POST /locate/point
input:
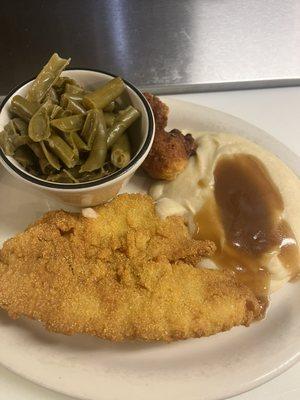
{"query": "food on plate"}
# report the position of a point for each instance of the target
(244, 199)
(122, 122)
(62, 132)
(46, 78)
(120, 152)
(121, 274)
(160, 110)
(103, 96)
(170, 151)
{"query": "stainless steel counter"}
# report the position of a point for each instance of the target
(166, 46)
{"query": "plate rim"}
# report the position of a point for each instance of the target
(276, 371)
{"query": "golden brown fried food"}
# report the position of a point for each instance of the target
(169, 154)
(170, 150)
(160, 111)
(125, 275)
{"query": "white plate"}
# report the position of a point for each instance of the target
(208, 368)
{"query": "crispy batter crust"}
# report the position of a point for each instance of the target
(160, 110)
(170, 150)
(125, 275)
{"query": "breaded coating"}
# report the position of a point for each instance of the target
(170, 150)
(160, 110)
(169, 154)
(125, 275)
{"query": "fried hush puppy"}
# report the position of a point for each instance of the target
(124, 275)
(170, 151)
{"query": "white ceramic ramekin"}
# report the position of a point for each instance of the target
(101, 190)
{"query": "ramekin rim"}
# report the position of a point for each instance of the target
(96, 183)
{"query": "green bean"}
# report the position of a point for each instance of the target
(60, 177)
(74, 90)
(75, 107)
(110, 108)
(103, 96)
(6, 143)
(53, 96)
(68, 137)
(37, 149)
(56, 111)
(120, 152)
(108, 168)
(90, 127)
(59, 131)
(62, 113)
(19, 140)
(45, 166)
(21, 126)
(71, 177)
(91, 176)
(67, 97)
(105, 170)
(62, 81)
(119, 105)
(23, 108)
(14, 140)
(38, 152)
(68, 124)
(123, 121)
(10, 129)
(25, 157)
(48, 106)
(65, 176)
(51, 158)
(10, 143)
(97, 155)
(61, 84)
(109, 119)
(64, 100)
(39, 128)
(76, 139)
(46, 78)
(74, 172)
(62, 150)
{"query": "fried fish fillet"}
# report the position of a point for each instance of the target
(126, 274)
(170, 151)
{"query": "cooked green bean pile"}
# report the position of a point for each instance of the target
(62, 132)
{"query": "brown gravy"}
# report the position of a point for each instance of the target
(244, 219)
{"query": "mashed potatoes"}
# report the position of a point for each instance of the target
(188, 193)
